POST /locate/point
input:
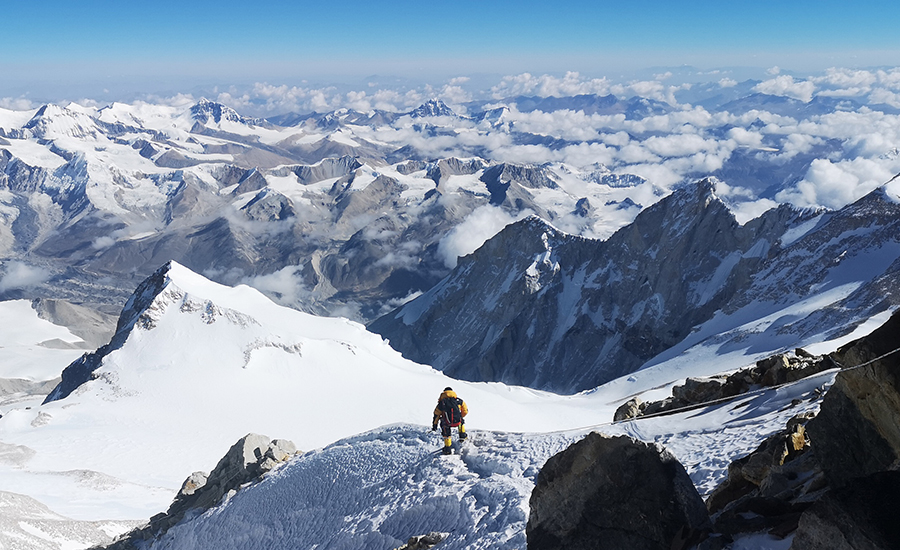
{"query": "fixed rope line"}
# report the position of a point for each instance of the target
(745, 394)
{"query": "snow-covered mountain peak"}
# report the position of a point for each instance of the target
(172, 285)
(204, 110)
(702, 192)
(432, 107)
(53, 121)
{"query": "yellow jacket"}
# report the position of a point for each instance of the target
(438, 413)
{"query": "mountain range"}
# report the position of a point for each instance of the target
(177, 277)
(537, 307)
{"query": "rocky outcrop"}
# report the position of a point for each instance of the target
(424, 542)
(81, 370)
(862, 515)
(831, 480)
(770, 488)
(771, 371)
(857, 432)
(534, 306)
(614, 492)
(246, 461)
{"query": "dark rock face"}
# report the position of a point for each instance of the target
(835, 483)
(613, 492)
(81, 370)
(770, 488)
(862, 515)
(857, 432)
(536, 307)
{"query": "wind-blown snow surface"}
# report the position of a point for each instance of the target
(218, 363)
(208, 364)
(377, 489)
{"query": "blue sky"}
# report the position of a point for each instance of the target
(52, 45)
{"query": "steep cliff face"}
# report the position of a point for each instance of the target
(857, 433)
(537, 307)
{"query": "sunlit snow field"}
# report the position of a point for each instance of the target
(221, 362)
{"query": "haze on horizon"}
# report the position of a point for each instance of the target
(62, 50)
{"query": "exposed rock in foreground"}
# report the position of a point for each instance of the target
(424, 542)
(860, 515)
(857, 433)
(247, 460)
(771, 371)
(832, 480)
(614, 492)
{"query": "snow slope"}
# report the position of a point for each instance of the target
(213, 363)
(205, 364)
(375, 490)
(30, 347)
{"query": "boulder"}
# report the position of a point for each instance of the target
(771, 371)
(246, 460)
(193, 483)
(612, 493)
(424, 542)
(861, 515)
(857, 431)
(629, 409)
(699, 390)
(279, 450)
(746, 475)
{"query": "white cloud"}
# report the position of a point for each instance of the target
(786, 86)
(748, 210)
(546, 85)
(454, 96)
(650, 89)
(882, 95)
(565, 124)
(678, 145)
(835, 185)
(483, 223)
(19, 276)
(16, 103)
(728, 82)
(745, 138)
(586, 154)
(286, 285)
(774, 70)
(102, 242)
(796, 144)
(846, 78)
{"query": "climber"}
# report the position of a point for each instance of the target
(450, 412)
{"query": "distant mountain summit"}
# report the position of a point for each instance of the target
(432, 107)
(205, 110)
(536, 307)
